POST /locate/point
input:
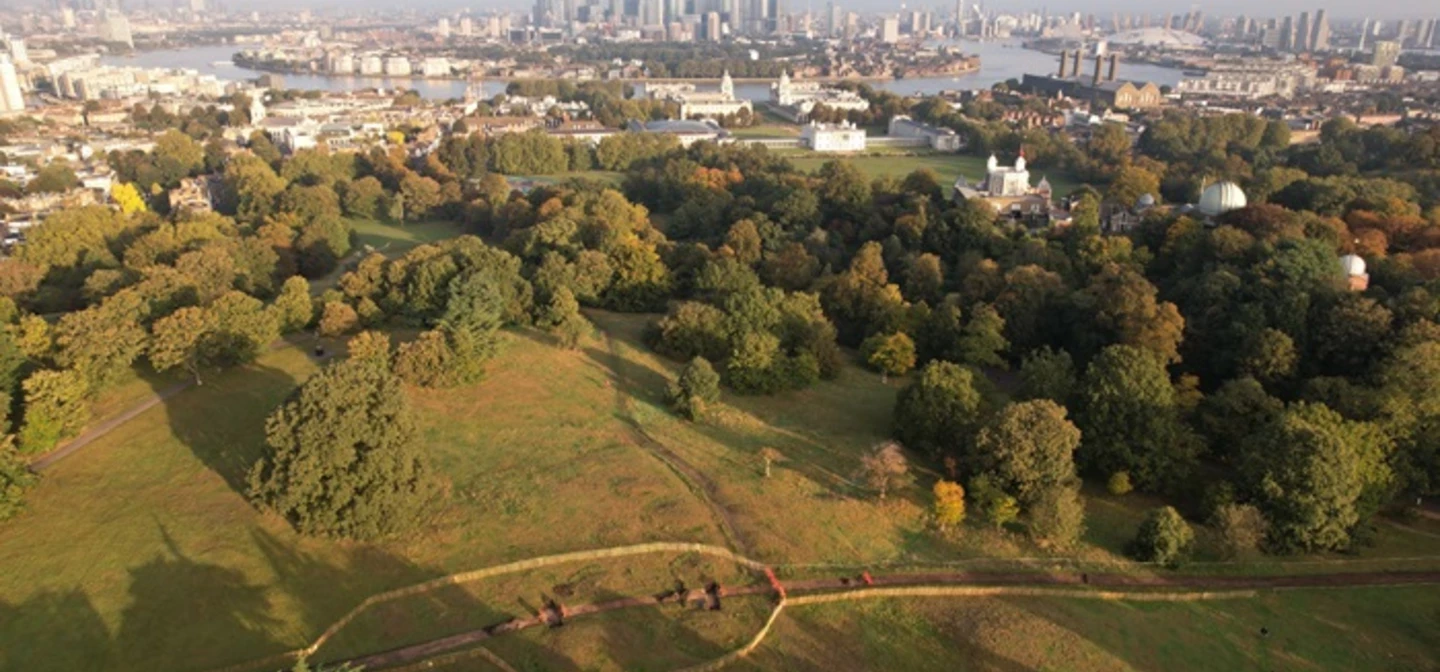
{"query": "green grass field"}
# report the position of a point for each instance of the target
(394, 238)
(141, 553)
(947, 166)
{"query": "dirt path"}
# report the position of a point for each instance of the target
(703, 486)
(445, 645)
(48, 459)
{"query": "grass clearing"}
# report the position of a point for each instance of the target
(1311, 629)
(396, 238)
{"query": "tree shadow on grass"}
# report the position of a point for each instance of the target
(223, 421)
(53, 630)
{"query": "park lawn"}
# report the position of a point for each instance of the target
(396, 238)
(947, 166)
(141, 549)
(1310, 629)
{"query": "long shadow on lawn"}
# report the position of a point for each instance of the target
(62, 630)
(223, 421)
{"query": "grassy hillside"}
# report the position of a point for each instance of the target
(141, 552)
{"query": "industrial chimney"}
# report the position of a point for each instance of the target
(1064, 56)
(1114, 63)
(1099, 60)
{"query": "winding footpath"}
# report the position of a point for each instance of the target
(956, 584)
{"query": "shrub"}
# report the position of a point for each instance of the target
(1164, 537)
(1119, 483)
(697, 388)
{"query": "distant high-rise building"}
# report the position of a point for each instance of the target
(1287, 35)
(712, 26)
(442, 28)
(467, 26)
(1365, 27)
(1386, 53)
(1302, 33)
(1427, 34)
(115, 28)
(12, 99)
(890, 30)
(1320, 32)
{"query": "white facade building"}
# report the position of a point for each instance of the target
(940, 139)
(1003, 181)
(695, 104)
(799, 99)
(397, 66)
(12, 98)
(841, 137)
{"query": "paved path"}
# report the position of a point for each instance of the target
(443, 645)
(49, 459)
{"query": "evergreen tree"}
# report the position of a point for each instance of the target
(341, 458)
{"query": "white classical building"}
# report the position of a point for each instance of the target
(1008, 190)
(940, 139)
(841, 137)
(798, 99)
(695, 104)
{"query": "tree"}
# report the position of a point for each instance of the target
(1057, 518)
(1239, 528)
(337, 318)
(1119, 484)
(1047, 374)
(427, 361)
(1028, 448)
(770, 456)
(1130, 183)
(55, 409)
(1316, 476)
(243, 329)
(1163, 537)
(101, 342)
(697, 389)
(1126, 311)
(364, 198)
(421, 195)
(1129, 416)
(15, 479)
(294, 310)
(128, 198)
(1269, 356)
(994, 505)
(949, 508)
(341, 458)
(743, 241)
(982, 341)
(892, 354)
(1238, 410)
(562, 318)
(55, 178)
(176, 340)
(884, 468)
(940, 411)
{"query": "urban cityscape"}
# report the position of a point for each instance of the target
(704, 335)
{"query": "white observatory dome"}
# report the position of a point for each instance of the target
(1220, 198)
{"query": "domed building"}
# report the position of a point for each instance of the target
(1355, 276)
(1220, 198)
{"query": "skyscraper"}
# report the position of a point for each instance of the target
(12, 99)
(1287, 35)
(1320, 32)
(1302, 33)
(1386, 53)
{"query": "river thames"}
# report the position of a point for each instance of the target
(999, 61)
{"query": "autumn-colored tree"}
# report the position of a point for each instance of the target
(884, 469)
(293, 308)
(949, 508)
(890, 354)
(996, 507)
(337, 318)
(769, 456)
(128, 198)
(1057, 517)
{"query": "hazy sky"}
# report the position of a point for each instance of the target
(1341, 9)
